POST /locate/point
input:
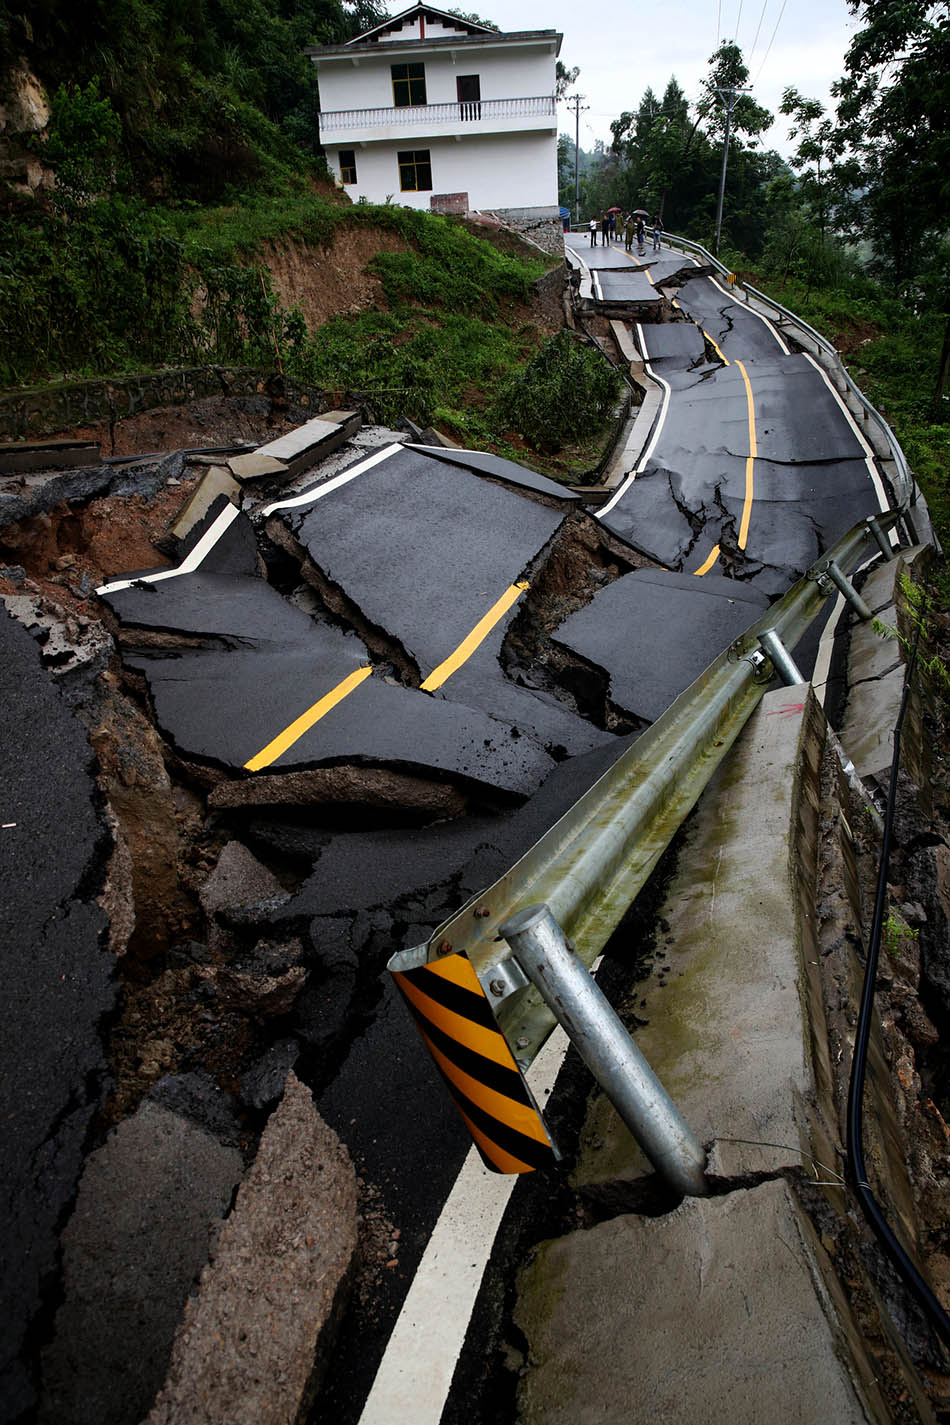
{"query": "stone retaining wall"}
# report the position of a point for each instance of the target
(45, 410)
(542, 225)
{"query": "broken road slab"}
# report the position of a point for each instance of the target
(269, 696)
(621, 631)
(681, 344)
(299, 450)
(411, 525)
(253, 1345)
(629, 285)
(732, 325)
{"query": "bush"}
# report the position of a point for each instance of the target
(566, 392)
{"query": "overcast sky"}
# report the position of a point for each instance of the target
(625, 46)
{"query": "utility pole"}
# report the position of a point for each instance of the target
(728, 97)
(575, 99)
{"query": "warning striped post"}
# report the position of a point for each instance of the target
(455, 1019)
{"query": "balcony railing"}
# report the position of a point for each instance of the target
(470, 111)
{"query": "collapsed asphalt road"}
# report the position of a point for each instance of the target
(343, 710)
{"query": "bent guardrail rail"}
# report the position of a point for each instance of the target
(589, 867)
(905, 486)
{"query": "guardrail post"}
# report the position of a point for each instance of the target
(782, 661)
(910, 528)
(880, 539)
(570, 991)
(844, 586)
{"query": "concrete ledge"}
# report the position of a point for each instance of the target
(725, 1030)
(678, 1318)
(299, 450)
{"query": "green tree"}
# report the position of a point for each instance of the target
(563, 79)
(894, 123)
(729, 75)
(814, 157)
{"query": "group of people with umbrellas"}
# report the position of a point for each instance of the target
(634, 227)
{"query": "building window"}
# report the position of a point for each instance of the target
(415, 170)
(409, 85)
(347, 165)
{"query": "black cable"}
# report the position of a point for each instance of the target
(856, 1168)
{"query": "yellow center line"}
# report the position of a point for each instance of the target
(302, 724)
(436, 678)
(750, 461)
(640, 264)
(716, 348)
(477, 636)
(710, 560)
(708, 563)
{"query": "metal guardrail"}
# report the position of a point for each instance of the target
(590, 865)
(905, 485)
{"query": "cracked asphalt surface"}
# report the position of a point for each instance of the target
(413, 617)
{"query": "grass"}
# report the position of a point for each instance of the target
(117, 286)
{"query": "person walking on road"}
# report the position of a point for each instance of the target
(593, 232)
(628, 232)
(641, 236)
(613, 226)
(605, 230)
(657, 233)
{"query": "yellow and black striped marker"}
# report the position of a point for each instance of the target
(455, 1019)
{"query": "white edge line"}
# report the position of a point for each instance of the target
(744, 306)
(190, 563)
(865, 445)
(641, 465)
(309, 496)
(415, 1374)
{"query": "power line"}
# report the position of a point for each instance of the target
(718, 22)
(738, 21)
(772, 40)
(765, 6)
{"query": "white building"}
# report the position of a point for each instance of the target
(437, 112)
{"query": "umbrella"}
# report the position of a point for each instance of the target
(640, 213)
(614, 210)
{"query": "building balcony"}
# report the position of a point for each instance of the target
(476, 116)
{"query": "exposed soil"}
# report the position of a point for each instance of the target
(331, 282)
(213, 421)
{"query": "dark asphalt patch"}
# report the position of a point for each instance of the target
(631, 285)
(680, 344)
(654, 632)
